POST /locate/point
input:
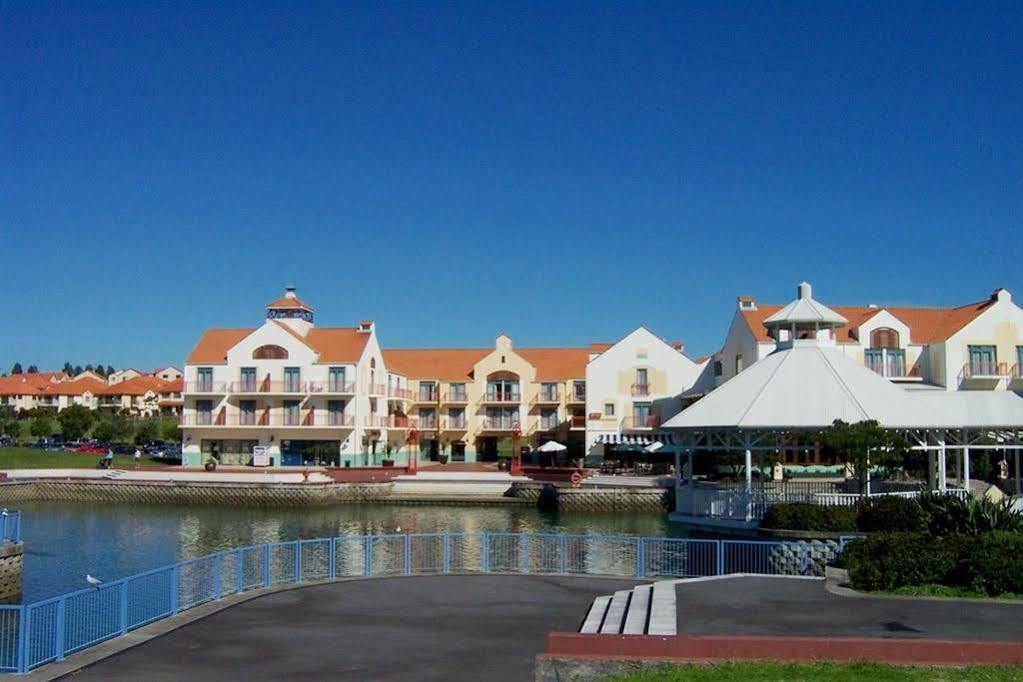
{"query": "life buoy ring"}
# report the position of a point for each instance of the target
(576, 478)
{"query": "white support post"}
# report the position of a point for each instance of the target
(931, 465)
(867, 487)
(942, 463)
(1019, 484)
(749, 483)
(966, 469)
(959, 468)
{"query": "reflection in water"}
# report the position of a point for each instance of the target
(64, 541)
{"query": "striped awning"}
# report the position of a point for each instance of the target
(639, 439)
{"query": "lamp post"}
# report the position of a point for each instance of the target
(516, 459)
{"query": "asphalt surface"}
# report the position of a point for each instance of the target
(424, 628)
(804, 608)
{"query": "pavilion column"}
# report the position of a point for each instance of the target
(942, 463)
(1019, 484)
(959, 468)
(931, 466)
(749, 471)
(966, 469)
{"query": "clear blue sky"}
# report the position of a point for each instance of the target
(559, 171)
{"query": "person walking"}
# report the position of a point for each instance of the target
(108, 459)
(136, 459)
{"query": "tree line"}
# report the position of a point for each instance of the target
(68, 368)
(77, 422)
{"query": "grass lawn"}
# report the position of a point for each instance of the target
(30, 458)
(946, 591)
(790, 672)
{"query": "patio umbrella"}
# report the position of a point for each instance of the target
(658, 446)
(552, 446)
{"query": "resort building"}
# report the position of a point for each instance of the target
(169, 374)
(20, 392)
(633, 386)
(978, 346)
(141, 396)
(287, 390)
(295, 394)
(123, 375)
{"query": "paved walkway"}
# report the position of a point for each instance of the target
(804, 608)
(426, 628)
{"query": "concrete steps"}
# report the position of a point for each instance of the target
(643, 610)
(456, 483)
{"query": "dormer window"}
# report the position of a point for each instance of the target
(270, 352)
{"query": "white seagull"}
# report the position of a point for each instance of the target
(398, 529)
(95, 582)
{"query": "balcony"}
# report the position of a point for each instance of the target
(425, 423)
(640, 389)
(330, 386)
(208, 387)
(983, 370)
(266, 386)
(641, 421)
(325, 419)
(577, 397)
(426, 396)
(1016, 373)
(547, 398)
(318, 419)
(499, 423)
(578, 421)
(895, 369)
(456, 424)
(397, 393)
(377, 389)
(456, 397)
(501, 398)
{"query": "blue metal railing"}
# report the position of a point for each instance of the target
(10, 526)
(34, 634)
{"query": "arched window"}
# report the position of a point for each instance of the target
(270, 353)
(884, 338)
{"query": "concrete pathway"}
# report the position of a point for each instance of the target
(795, 607)
(425, 628)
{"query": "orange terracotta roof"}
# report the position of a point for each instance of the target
(289, 303)
(599, 347)
(444, 364)
(77, 387)
(176, 386)
(926, 325)
(337, 344)
(139, 385)
(29, 384)
(214, 344)
(557, 364)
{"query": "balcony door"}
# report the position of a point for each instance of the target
(983, 360)
(641, 414)
(292, 379)
(336, 380)
(248, 379)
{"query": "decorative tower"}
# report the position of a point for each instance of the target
(292, 311)
(804, 321)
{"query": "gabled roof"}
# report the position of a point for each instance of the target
(214, 344)
(77, 387)
(139, 385)
(443, 364)
(557, 364)
(805, 310)
(926, 325)
(456, 364)
(337, 344)
(29, 384)
(289, 303)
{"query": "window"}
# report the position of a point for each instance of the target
(270, 352)
(549, 392)
(291, 413)
(457, 392)
(427, 392)
(884, 338)
(456, 418)
(247, 409)
(503, 390)
(1019, 363)
(248, 379)
(983, 360)
(502, 417)
(205, 376)
(609, 409)
(642, 415)
(203, 412)
(579, 390)
(888, 362)
(641, 387)
(427, 418)
(292, 379)
(336, 379)
(549, 418)
(738, 363)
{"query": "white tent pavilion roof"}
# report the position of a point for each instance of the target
(805, 310)
(552, 446)
(976, 409)
(809, 386)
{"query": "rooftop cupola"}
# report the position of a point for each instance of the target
(804, 321)
(289, 309)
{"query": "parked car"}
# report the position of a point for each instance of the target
(123, 449)
(6, 442)
(171, 453)
(153, 446)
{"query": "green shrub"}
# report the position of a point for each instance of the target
(887, 561)
(992, 563)
(952, 515)
(810, 517)
(890, 514)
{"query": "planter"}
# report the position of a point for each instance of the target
(387, 462)
(210, 465)
(443, 459)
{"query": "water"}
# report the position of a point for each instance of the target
(64, 541)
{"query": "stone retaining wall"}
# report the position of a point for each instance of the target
(654, 500)
(11, 570)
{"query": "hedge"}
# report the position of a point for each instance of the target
(811, 517)
(990, 562)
